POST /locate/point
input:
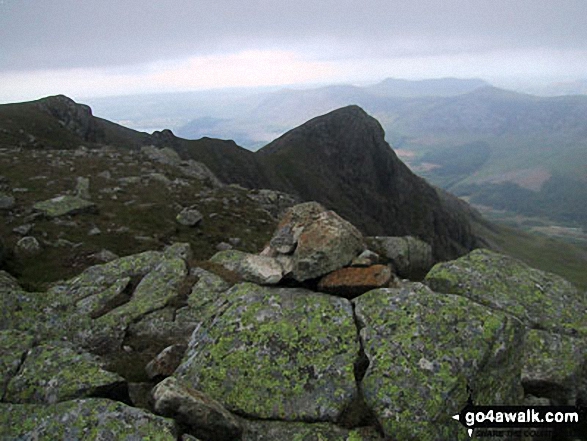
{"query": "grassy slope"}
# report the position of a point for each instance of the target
(555, 256)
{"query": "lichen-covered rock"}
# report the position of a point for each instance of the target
(424, 350)
(541, 300)
(554, 366)
(92, 419)
(57, 372)
(205, 417)
(320, 240)
(351, 282)
(276, 353)
(13, 348)
(410, 257)
(62, 205)
(276, 430)
(251, 267)
(100, 303)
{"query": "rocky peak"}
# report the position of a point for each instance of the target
(75, 117)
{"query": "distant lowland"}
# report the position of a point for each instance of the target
(519, 158)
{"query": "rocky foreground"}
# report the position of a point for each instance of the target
(321, 336)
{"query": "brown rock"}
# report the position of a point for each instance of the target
(166, 362)
(354, 281)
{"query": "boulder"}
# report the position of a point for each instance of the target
(189, 217)
(541, 300)
(320, 240)
(276, 353)
(63, 205)
(57, 372)
(351, 282)
(205, 417)
(91, 419)
(411, 257)
(251, 267)
(425, 350)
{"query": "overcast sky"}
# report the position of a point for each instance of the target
(88, 48)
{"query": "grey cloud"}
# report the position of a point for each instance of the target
(39, 34)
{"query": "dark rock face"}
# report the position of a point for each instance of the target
(343, 161)
(77, 118)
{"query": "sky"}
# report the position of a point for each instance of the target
(85, 48)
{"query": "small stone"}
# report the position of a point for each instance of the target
(223, 246)
(27, 246)
(94, 231)
(354, 281)
(82, 188)
(189, 217)
(366, 258)
(23, 230)
(234, 241)
(104, 256)
(6, 201)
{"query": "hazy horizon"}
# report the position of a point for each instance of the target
(112, 48)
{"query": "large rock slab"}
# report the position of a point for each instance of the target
(83, 420)
(263, 270)
(276, 430)
(276, 353)
(555, 367)
(425, 350)
(410, 257)
(14, 346)
(63, 205)
(57, 372)
(320, 240)
(541, 300)
(205, 417)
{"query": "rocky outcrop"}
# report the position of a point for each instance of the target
(74, 117)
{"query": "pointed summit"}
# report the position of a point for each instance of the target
(342, 160)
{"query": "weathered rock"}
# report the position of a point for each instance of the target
(82, 188)
(322, 240)
(178, 250)
(92, 419)
(164, 156)
(276, 353)
(165, 363)
(251, 267)
(62, 205)
(14, 346)
(275, 430)
(425, 349)
(541, 300)
(189, 217)
(27, 246)
(411, 257)
(23, 230)
(140, 395)
(56, 372)
(96, 305)
(6, 201)
(366, 258)
(351, 282)
(223, 246)
(554, 367)
(205, 417)
(104, 256)
(274, 202)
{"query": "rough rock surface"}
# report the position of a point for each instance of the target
(274, 430)
(57, 372)
(351, 282)
(165, 363)
(205, 417)
(256, 360)
(410, 257)
(541, 300)
(251, 267)
(320, 240)
(86, 419)
(425, 349)
(27, 246)
(189, 217)
(62, 205)
(14, 346)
